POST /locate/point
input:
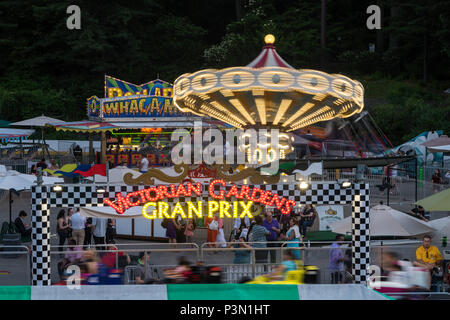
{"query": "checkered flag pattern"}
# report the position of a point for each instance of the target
(40, 240)
(43, 198)
(360, 233)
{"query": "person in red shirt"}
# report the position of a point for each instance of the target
(110, 258)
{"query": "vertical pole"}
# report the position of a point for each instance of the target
(253, 263)
(91, 148)
(415, 169)
(103, 147)
(360, 232)
(40, 240)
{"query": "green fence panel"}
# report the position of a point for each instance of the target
(232, 292)
(15, 292)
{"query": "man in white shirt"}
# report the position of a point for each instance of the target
(143, 165)
(78, 224)
(99, 231)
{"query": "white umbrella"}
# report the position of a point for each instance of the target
(385, 221)
(15, 181)
(443, 148)
(40, 121)
(442, 227)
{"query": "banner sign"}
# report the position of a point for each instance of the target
(93, 107)
(118, 88)
(329, 215)
(139, 107)
(125, 100)
(221, 200)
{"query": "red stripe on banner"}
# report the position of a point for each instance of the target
(99, 169)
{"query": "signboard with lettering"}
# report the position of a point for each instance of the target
(117, 88)
(124, 100)
(328, 215)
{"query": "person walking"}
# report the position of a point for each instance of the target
(110, 231)
(88, 232)
(273, 227)
(78, 225)
(171, 232)
(213, 230)
(337, 261)
(62, 228)
(436, 179)
(99, 232)
(180, 228)
(259, 235)
(189, 231)
(293, 238)
(307, 216)
(69, 222)
(143, 165)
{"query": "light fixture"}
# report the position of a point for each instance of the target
(57, 188)
(303, 185)
(101, 190)
(346, 184)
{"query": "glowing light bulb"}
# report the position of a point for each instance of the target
(269, 39)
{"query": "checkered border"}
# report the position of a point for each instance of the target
(43, 198)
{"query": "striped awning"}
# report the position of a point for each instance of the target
(85, 126)
(14, 135)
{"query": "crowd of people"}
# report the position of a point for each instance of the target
(262, 231)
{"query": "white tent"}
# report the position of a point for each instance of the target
(40, 121)
(108, 212)
(19, 181)
(385, 221)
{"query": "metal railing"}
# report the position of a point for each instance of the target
(13, 269)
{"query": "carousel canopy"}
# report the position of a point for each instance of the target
(268, 93)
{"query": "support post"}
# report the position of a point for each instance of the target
(360, 233)
(40, 241)
(103, 157)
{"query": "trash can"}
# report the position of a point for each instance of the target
(11, 242)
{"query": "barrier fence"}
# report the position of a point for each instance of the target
(15, 263)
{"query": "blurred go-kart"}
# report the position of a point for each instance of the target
(303, 275)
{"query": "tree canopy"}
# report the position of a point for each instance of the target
(49, 69)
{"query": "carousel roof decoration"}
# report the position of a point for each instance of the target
(268, 93)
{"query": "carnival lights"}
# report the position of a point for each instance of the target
(216, 190)
(268, 93)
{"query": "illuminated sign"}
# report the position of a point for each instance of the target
(236, 209)
(221, 202)
(118, 88)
